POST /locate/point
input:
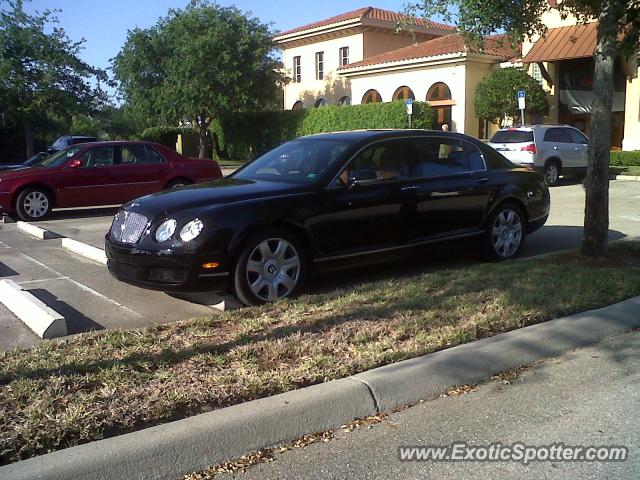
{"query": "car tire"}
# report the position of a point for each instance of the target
(178, 182)
(552, 173)
(33, 203)
(271, 265)
(505, 233)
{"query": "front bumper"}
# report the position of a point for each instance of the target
(162, 270)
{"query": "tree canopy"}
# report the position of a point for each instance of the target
(197, 63)
(617, 36)
(496, 95)
(41, 72)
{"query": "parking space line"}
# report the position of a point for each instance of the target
(29, 282)
(4, 245)
(80, 285)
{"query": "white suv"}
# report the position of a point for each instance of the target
(552, 149)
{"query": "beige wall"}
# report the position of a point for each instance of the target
(631, 140)
(332, 87)
(419, 80)
(376, 43)
(475, 72)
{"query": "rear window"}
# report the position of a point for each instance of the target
(512, 136)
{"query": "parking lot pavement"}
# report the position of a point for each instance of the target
(79, 289)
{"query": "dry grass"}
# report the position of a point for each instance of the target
(63, 393)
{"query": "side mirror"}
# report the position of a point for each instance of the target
(75, 163)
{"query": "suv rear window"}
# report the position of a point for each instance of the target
(512, 136)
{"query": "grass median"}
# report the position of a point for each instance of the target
(62, 393)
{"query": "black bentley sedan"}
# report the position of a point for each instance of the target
(337, 196)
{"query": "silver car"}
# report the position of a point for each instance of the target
(552, 149)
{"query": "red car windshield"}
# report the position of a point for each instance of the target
(57, 158)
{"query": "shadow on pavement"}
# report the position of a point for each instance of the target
(6, 271)
(77, 322)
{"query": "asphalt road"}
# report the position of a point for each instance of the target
(588, 397)
(91, 299)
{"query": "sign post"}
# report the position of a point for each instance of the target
(521, 105)
(409, 103)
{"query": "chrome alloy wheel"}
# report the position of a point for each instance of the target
(507, 233)
(273, 269)
(552, 174)
(36, 204)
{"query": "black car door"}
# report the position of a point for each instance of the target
(364, 207)
(451, 187)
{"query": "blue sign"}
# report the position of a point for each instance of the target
(521, 94)
(409, 101)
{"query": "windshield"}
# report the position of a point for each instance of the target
(298, 161)
(57, 158)
(512, 136)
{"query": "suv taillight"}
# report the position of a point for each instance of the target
(531, 148)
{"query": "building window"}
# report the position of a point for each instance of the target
(344, 56)
(372, 96)
(298, 105)
(439, 97)
(297, 71)
(321, 102)
(345, 100)
(536, 73)
(319, 65)
(403, 93)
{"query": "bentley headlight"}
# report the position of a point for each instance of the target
(166, 230)
(191, 230)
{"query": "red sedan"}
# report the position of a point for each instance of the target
(103, 173)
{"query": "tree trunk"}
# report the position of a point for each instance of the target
(28, 138)
(596, 211)
(204, 141)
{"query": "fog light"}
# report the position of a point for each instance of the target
(210, 265)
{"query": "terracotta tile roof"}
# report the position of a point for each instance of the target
(497, 46)
(368, 13)
(564, 43)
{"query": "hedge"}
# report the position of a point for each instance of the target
(242, 136)
(625, 159)
(167, 136)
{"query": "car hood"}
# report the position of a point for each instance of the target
(18, 171)
(227, 190)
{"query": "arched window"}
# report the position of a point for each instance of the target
(403, 93)
(321, 102)
(345, 100)
(298, 105)
(372, 96)
(439, 97)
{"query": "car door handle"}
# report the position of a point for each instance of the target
(482, 180)
(409, 189)
(555, 147)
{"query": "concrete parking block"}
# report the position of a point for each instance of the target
(6, 219)
(85, 250)
(43, 320)
(37, 232)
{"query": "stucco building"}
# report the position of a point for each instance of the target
(360, 57)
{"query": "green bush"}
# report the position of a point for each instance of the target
(625, 159)
(167, 136)
(242, 136)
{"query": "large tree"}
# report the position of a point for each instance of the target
(617, 35)
(496, 95)
(41, 73)
(195, 64)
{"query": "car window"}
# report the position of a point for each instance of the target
(58, 158)
(578, 137)
(133, 154)
(389, 160)
(557, 135)
(436, 157)
(97, 157)
(512, 136)
(152, 155)
(298, 161)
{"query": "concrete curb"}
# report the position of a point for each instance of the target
(37, 232)
(629, 178)
(177, 448)
(43, 320)
(84, 250)
(4, 218)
